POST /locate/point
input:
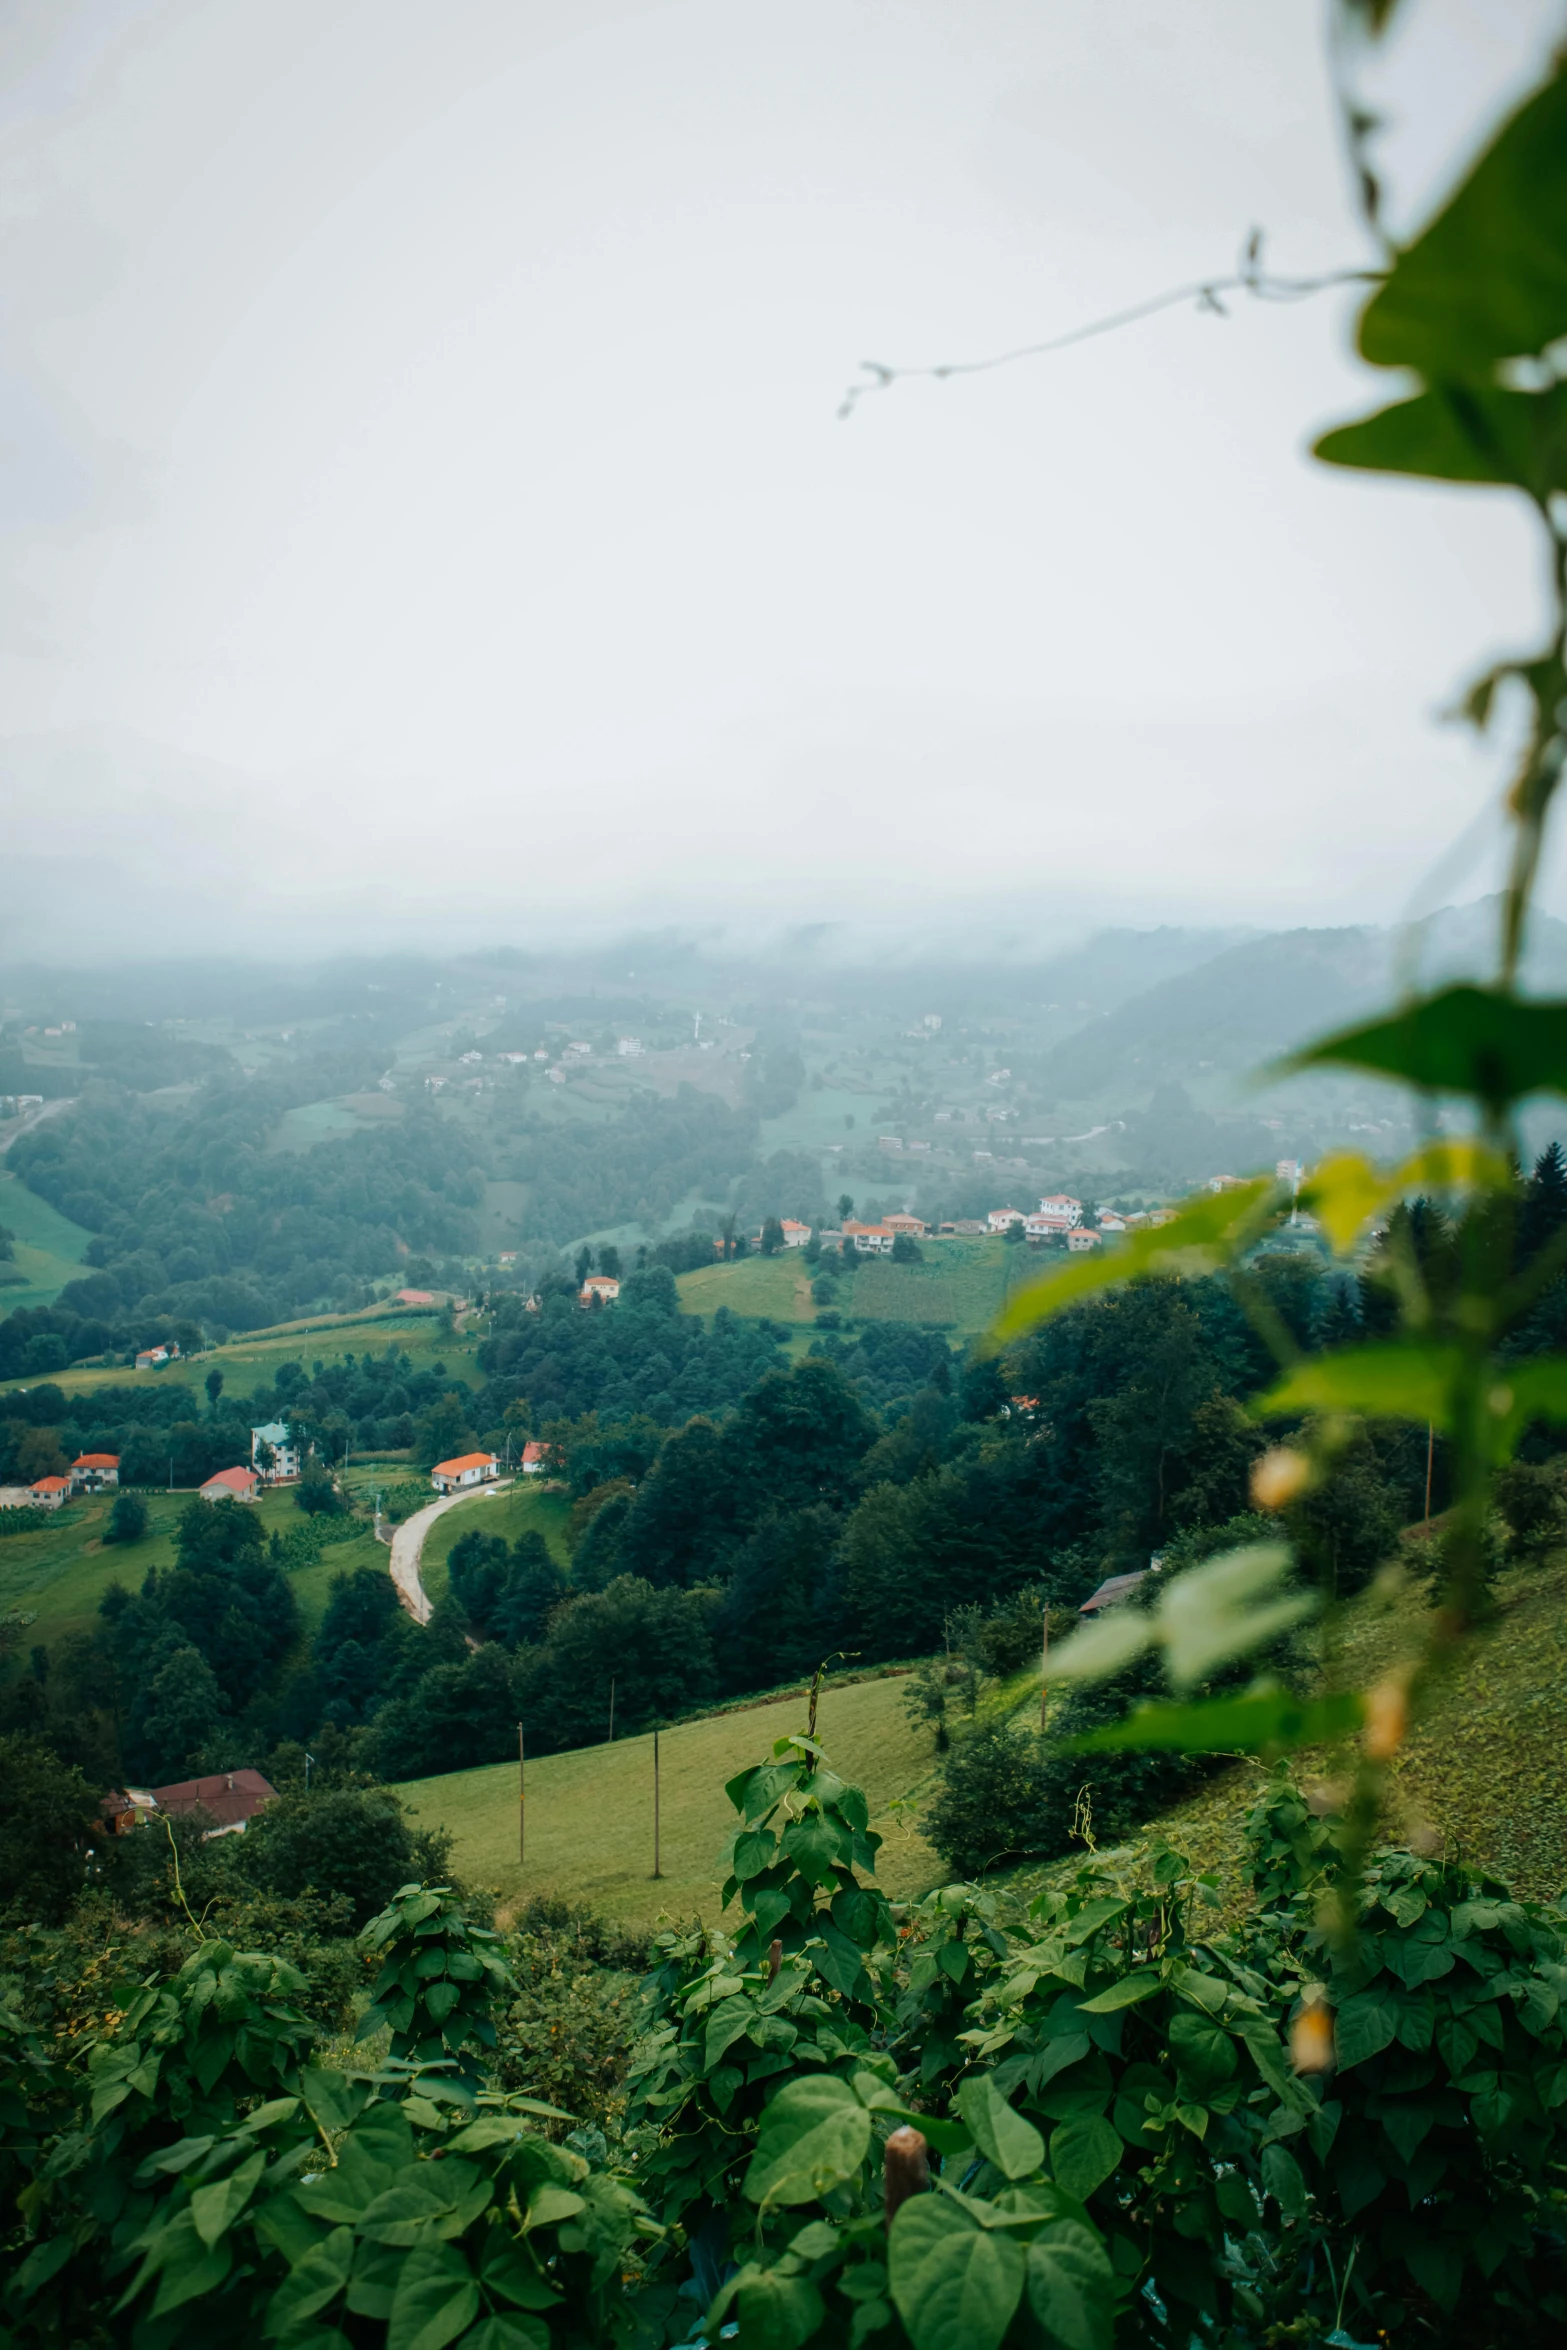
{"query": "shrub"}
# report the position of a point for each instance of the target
(127, 1519)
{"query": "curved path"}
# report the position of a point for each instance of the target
(408, 1544)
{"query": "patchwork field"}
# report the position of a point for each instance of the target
(960, 1286)
(590, 1813)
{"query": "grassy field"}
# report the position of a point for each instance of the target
(960, 1286)
(590, 1813)
(49, 1247)
(250, 1362)
(61, 1573)
(528, 1503)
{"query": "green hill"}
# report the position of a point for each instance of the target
(49, 1247)
(959, 1286)
(590, 1812)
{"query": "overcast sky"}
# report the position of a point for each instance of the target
(426, 516)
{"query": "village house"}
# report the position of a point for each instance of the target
(1114, 1589)
(870, 1240)
(468, 1468)
(1061, 1211)
(795, 1234)
(152, 1358)
(49, 1492)
(416, 1297)
(902, 1221)
(283, 1447)
(1112, 1220)
(92, 1471)
(231, 1485)
(1000, 1218)
(1082, 1240)
(1224, 1183)
(602, 1287)
(230, 1799)
(535, 1458)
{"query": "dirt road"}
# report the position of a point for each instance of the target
(408, 1545)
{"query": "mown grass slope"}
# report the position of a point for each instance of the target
(49, 1247)
(959, 1286)
(252, 1361)
(590, 1812)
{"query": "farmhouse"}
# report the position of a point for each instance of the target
(49, 1492)
(92, 1471)
(795, 1234)
(230, 1799)
(602, 1287)
(231, 1485)
(1082, 1240)
(1000, 1218)
(1114, 1589)
(1061, 1211)
(469, 1468)
(282, 1449)
(871, 1240)
(902, 1221)
(152, 1358)
(535, 1459)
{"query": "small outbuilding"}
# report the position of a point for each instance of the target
(232, 1485)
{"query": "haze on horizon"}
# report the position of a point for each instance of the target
(426, 520)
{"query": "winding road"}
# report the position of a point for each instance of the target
(408, 1544)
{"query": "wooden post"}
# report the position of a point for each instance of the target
(657, 1871)
(1044, 1667)
(1430, 1449)
(612, 1709)
(522, 1800)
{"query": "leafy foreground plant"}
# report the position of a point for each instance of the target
(958, 2128)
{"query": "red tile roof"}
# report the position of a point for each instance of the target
(51, 1485)
(465, 1460)
(96, 1460)
(233, 1480)
(533, 1452)
(229, 1796)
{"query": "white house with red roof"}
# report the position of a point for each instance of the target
(49, 1492)
(1000, 1218)
(152, 1358)
(1081, 1240)
(468, 1468)
(1061, 1212)
(600, 1287)
(795, 1233)
(535, 1458)
(871, 1240)
(92, 1471)
(231, 1485)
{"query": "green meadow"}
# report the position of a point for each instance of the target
(49, 1247)
(529, 1503)
(251, 1362)
(960, 1286)
(590, 1812)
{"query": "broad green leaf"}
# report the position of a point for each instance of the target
(778, 2313)
(1220, 1609)
(505, 2268)
(1204, 2053)
(548, 2205)
(215, 2209)
(1198, 1238)
(1534, 1389)
(436, 2298)
(1094, 1651)
(1487, 280)
(509, 2331)
(312, 2283)
(1282, 2178)
(1093, 1914)
(755, 1849)
(1344, 1190)
(193, 2270)
(1364, 2026)
(814, 2136)
(1071, 2285)
(1392, 1382)
(729, 2021)
(955, 2285)
(1263, 1721)
(1126, 1991)
(1462, 432)
(1472, 1040)
(1002, 2135)
(1083, 2153)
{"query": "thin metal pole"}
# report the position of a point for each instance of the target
(612, 1709)
(1044, 1667)
(657, 1871)
(522, 1800)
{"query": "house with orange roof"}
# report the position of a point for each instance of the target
(795, 1233)
(231, 1485)
(49, 1492)
(602, 1288)
(1081, 1240)
(468, 1468)
(535, 1458)
(92, 1471)
(152, 1358)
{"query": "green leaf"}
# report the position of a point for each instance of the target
(1196, 1240)
(954, 2285)
(436, 2298)
(1002, 2135)
(1204, 2053)
(1283, 2179)
(755, 1849)
(1470, 1040)
(1364, 2026)
(312, 2283)
(729, 2021)
(1219, 1610)
(1487, 280)
(1263, 1720)
(215, 2209)
(508, 2332)
(1462, 432)
(814, 2137)
(1398, 1382)
(440, 1999)
(1071, 2285)
(1083, 2154)
(548, 2205)
(505, 2268)
(1140, 1984)
(778, 2313)
(1093, 1914)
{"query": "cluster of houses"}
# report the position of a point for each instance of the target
(468, 1469)
(90, 1472)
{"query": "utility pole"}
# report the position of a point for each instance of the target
(1430, 1451)
(522, 1800)
(612, 1709)
(1044, 1666)
(657, 1871)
